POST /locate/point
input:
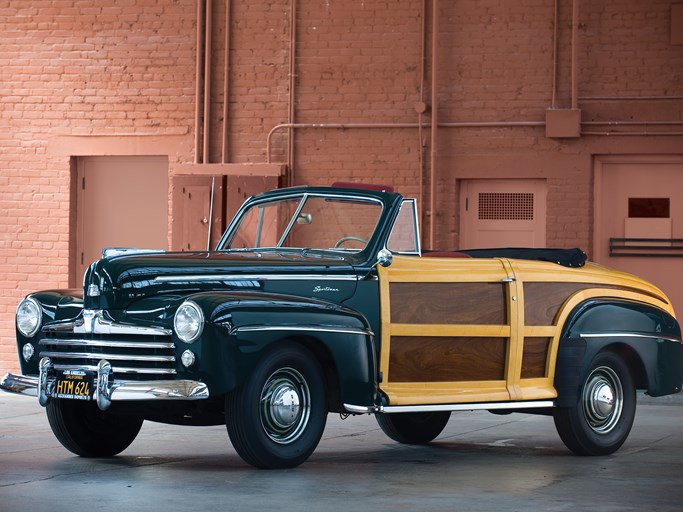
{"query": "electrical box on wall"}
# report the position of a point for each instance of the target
(562, 123)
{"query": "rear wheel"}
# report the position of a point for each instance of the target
(277, 417)
(602, 419)
(86, 431)
(413, 427)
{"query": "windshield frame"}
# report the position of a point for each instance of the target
(302, 195)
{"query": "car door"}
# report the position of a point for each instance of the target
(449, 331)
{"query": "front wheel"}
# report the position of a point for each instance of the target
(413, 427)
(86, 431)
(601, 420)
(277, 417)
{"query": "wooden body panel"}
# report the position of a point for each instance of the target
(479, 330)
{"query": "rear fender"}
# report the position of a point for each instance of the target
(648, 338)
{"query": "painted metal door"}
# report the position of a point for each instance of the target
(197, 205)
(201, 201)
(502, 213)
(639, 219)
(122, 201)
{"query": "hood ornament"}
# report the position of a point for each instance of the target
(90, 319)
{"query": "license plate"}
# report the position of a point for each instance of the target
(74, 385)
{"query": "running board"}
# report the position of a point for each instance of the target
(491, 406)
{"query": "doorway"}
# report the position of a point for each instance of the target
(639, 218)
(502, 213)
(200, 201)
(121, 201)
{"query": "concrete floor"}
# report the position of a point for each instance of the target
(480, 462)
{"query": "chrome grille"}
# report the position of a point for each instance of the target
(137, 356)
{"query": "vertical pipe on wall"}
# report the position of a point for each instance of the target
(575, 32)
(292, 84)
(435, 121)
(207, 80)
(421, 110)
(226, 83)
(553, 100)
(198, 83)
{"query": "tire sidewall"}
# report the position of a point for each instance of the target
(595, 443)
(247, 432)
(84, 430)
(413, 428)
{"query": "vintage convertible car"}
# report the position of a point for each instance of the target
(320, 300)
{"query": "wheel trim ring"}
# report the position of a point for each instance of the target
(603, 400)
(285, 406)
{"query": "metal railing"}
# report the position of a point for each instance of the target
(646, 247)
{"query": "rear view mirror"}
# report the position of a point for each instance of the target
(304, 218)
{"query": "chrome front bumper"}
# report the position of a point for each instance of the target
(107, 389)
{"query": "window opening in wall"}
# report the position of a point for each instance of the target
(649, 208)
(506, 206)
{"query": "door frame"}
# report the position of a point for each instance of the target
(77, 212)
(599, 161)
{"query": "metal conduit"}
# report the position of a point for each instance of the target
(435, 123)
(208, 23)
(226, 83)
(198, 83)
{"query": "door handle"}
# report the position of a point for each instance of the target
(508, 280)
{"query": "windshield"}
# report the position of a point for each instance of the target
(308, 221)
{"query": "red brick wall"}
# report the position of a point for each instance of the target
(104, 77)
(86, 69)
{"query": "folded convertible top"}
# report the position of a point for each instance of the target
(565, 257)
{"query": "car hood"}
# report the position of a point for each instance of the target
(116, 282)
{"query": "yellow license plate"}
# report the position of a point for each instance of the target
(74, 385)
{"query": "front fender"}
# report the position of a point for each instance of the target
(242, 326)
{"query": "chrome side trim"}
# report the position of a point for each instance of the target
(306, 328)
(93, 322)
(628, 335)
(256, 277)
(391, 409)
(466, 407)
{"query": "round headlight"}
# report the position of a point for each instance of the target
(29, 317)
(188, 322)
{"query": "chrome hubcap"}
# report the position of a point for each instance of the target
(285, 406)
(603, 400)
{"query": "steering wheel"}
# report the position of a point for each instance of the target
(350, 239)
